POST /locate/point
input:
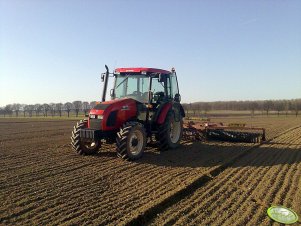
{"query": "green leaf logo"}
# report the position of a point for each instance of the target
(282, 215)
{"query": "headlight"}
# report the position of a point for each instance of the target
(96, 116)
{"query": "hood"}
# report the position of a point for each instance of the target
(112, 104)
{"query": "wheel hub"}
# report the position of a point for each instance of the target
(134, 142)
(175, 130)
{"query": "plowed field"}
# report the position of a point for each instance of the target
(44, 182)
(240, 195)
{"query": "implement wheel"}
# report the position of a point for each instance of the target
(131, 141)
(170, 132)
(80, 146)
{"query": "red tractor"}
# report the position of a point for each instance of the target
(145, 103)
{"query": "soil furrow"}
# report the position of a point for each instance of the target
(281, 169)
(51, 185)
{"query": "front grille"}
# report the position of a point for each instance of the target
(95, 123)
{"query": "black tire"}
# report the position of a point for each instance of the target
(164, 133)
(83, 148)
(131, 141)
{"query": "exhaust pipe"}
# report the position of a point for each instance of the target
(106, 78)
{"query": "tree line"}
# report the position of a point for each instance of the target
(264, 106)
(192, 109)
(52, 109)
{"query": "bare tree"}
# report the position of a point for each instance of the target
(16, 108)
(86, 107)
(38, 108)
(30, 109)
(279, 106)
(253, 106)
(286, 107)
(59, 107)
(52, 109)
(46, 108)
(8, 110)
(77, 106)
(297, 106)
(267, 105)
(68, 106)
(24, 108)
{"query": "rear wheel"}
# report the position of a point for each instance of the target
(170, 132)
(80, 146)
(131, 141)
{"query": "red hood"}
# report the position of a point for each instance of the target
(122, 109)
(101, 107)
(113, 101)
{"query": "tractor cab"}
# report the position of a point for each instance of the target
(151, 88)
(145, 85)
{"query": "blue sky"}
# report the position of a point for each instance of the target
(55, 51)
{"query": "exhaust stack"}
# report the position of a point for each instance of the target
(106, 78)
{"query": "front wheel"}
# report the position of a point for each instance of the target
(83, 147)
(170, 132)
(131, 141)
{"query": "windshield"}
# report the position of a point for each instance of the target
(133, 86)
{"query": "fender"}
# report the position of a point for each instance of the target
(163, 113)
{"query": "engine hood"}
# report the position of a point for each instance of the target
(113, 114)
(117, 104)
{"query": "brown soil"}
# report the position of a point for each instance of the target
(44, 182)
(240, 195)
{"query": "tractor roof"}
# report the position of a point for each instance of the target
(141, 69)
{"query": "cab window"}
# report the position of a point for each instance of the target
(174, 85)
(157, 87)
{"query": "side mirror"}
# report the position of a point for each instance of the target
(103, 77)
(177, 98)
